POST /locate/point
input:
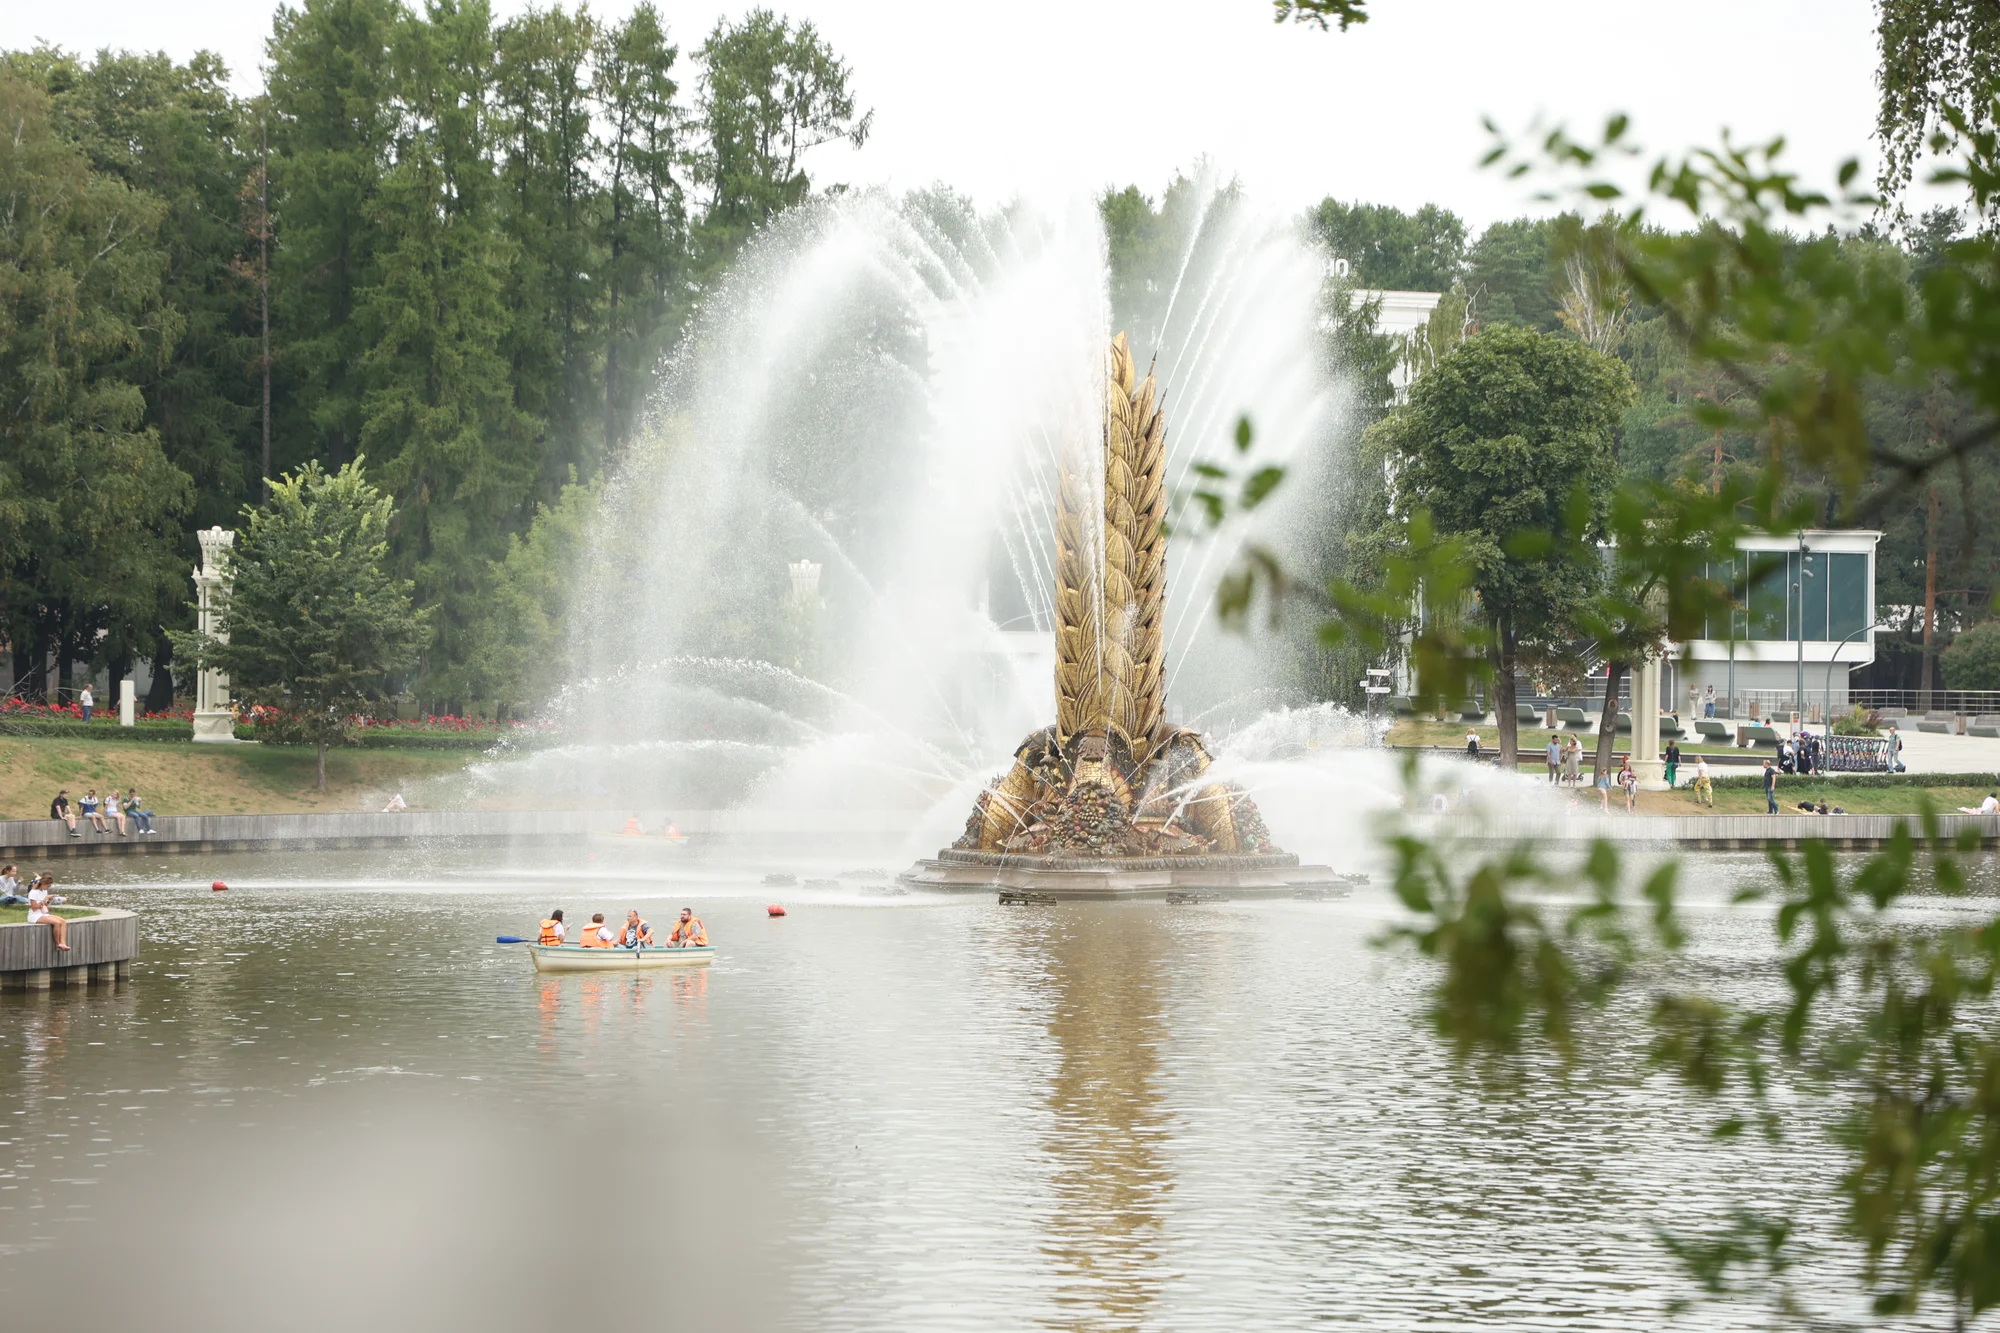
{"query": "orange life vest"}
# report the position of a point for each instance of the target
(552, 932)
(591, 939)
(636, 933)
(689, 932)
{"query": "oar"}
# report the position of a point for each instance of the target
(510, 939)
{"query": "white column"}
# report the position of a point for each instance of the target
(214, 720)
(1646, 761)
(128, 703)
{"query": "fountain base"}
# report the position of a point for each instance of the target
(1237, 875)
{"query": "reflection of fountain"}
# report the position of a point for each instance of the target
(1114, 799)
(1111, 1180)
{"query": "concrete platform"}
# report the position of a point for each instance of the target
(1276, 875)
(101, 949)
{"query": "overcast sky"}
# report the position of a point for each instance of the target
(1032, 96)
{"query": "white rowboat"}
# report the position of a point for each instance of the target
(576, 958)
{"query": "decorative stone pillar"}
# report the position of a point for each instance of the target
(214, 719)
(1646, 761)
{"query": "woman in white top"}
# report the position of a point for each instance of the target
(38, 911)
(10, 887)
(114, 812)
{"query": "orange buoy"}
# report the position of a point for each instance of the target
(217, 887)
(775, 910)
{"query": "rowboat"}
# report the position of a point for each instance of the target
(576, 958)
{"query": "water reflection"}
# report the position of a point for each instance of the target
(1109, 1184)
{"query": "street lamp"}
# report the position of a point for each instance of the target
(1799, 601)
(1827, 693)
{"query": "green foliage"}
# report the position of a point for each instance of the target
(312, 624)
(1855, 722)
(1973, 660)
(771, 92)
(86, 492)
(1341, 14)
(1511, 274)
(1509, 445)
(526, 631)
(1390, 249)
(1934, 54)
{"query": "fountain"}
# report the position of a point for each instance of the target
(1113, 800)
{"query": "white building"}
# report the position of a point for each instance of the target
(1804, 597)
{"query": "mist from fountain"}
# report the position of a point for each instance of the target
(882, 387)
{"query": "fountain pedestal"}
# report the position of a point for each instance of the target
(1245, 875)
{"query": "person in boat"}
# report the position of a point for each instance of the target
(553, 929)
(688, 932)
(597, 935)
(38, 911)
(632, 829)
(638, 932)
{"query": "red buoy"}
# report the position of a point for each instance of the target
(217, 887)
(775, 910)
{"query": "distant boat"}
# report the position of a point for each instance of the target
(576, 958)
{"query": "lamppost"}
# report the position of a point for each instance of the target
(1799, 601)
(1827, 693)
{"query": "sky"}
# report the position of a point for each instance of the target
(1043, 97)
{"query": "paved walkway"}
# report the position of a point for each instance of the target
(1929, 752)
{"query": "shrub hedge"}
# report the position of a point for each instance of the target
(1755, 781)
(171, 730)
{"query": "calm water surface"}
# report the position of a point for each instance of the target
(327, 1097)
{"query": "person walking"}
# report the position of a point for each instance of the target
(1770, 788)
(1629, 780)
(86, 701)
(1895, 749)
(1673, 762)
(1572, 761)
(1555, 760)
(1704, 789)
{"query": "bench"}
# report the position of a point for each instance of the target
(1936, 726)
(1527, 715)
(1760, 736)
(1471, 712)
(1623, 722)
(1671, 726)
(1887, 713)
(1574, 719)
(1986, 724)
(1711, 730)
(1401, 706)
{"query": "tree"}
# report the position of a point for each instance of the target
(1387, 248)
(314, 625)
(458, 452)
(770, 94)
(1509, 445)
(87, 497)
(1934, 54)
(644, 214)
(1510, 272)
(1973, 660)
(332, 98)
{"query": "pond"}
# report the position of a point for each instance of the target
(328, 1099)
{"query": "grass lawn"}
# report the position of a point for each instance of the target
(1531, 740)
(182, 778)
(14, 916)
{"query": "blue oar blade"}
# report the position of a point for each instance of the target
(508, 939)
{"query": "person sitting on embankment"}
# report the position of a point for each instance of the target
(10, 887)
(59, 809)
(1991, 805)
(38, 911)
